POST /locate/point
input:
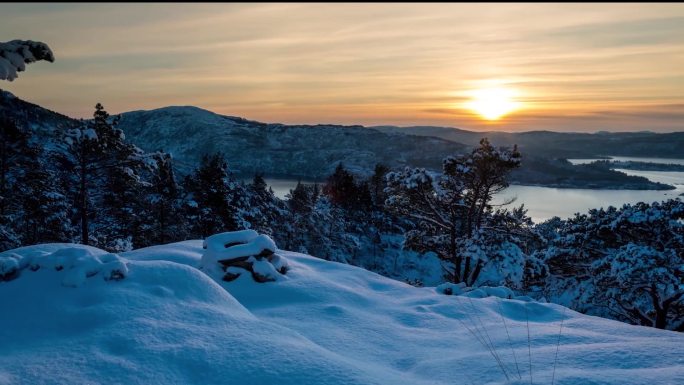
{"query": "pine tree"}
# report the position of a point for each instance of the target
(214, 198)
(377, 184)
(15, 154)
(264, 212)
(163, 221)
(341, 188)
(449, 210)
(105, 171)
(44, 217)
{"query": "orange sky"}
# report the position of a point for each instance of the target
(575, 67)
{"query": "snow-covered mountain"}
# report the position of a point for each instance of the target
(313, 151)
(322, 323)
(309, 151)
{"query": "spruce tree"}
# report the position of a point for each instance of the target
(214, 197)
(105, 174)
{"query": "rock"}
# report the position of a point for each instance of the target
(229, 277)
(232, 253)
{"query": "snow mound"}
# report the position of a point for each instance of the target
(229, 255)
(76, 264)
(15, 54)
(479, 292)
(328, 323)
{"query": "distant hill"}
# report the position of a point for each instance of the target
(307, 151)
(563, 144)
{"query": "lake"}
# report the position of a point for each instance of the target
(546, 202)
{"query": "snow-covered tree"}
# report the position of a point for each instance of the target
(15, 154)
(453, 210)
(214, 198)
(32, 206)
(624, 263)
(105, 172)
(16, 54)
(44, 215)
(163, 220)
(263, 211)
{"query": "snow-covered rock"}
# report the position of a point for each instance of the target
(73, 264)
(228, 255)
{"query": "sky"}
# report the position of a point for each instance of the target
(569, 67)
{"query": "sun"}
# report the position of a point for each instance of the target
(493, 103)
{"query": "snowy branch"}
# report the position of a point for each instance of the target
(15, 54)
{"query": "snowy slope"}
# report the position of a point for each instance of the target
(323, 323)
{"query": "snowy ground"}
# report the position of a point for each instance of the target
(323, 323)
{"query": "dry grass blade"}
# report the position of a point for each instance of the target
(529, 344)
(510, 344)
(555, 360)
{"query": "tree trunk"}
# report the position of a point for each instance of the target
(454, 257)
(476, 273)
(661, 318)
(84, 203)
(660, 309)
(3, 171)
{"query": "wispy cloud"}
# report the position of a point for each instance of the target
(577, 66)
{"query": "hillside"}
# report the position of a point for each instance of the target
(312, 152)
(563, 144)
(279, 150)
(323, 323)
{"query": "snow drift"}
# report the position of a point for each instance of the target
(168, 322)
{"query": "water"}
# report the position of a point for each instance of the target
(546, 202)
(282, 187)
(633, 159)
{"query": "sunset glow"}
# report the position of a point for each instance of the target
(493, 103)
(598, 67)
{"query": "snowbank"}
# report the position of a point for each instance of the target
(328, 323)
(76, 264)
(479, 292)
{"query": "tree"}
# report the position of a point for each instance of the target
(15, 155)
(623, 263)
(341, 188)
(214, 197)
(164, 221)
(263, 211)
(32, 205)
(44, 211)
(105, 172)
(450, 209)
(377, 184)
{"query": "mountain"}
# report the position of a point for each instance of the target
(563, 144)
(313, 151)
(306, 151)
(43, 122)
(163, 320)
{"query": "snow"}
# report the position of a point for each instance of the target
(15, 54)
(218, 242)
(78, 263)
(326, 323)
